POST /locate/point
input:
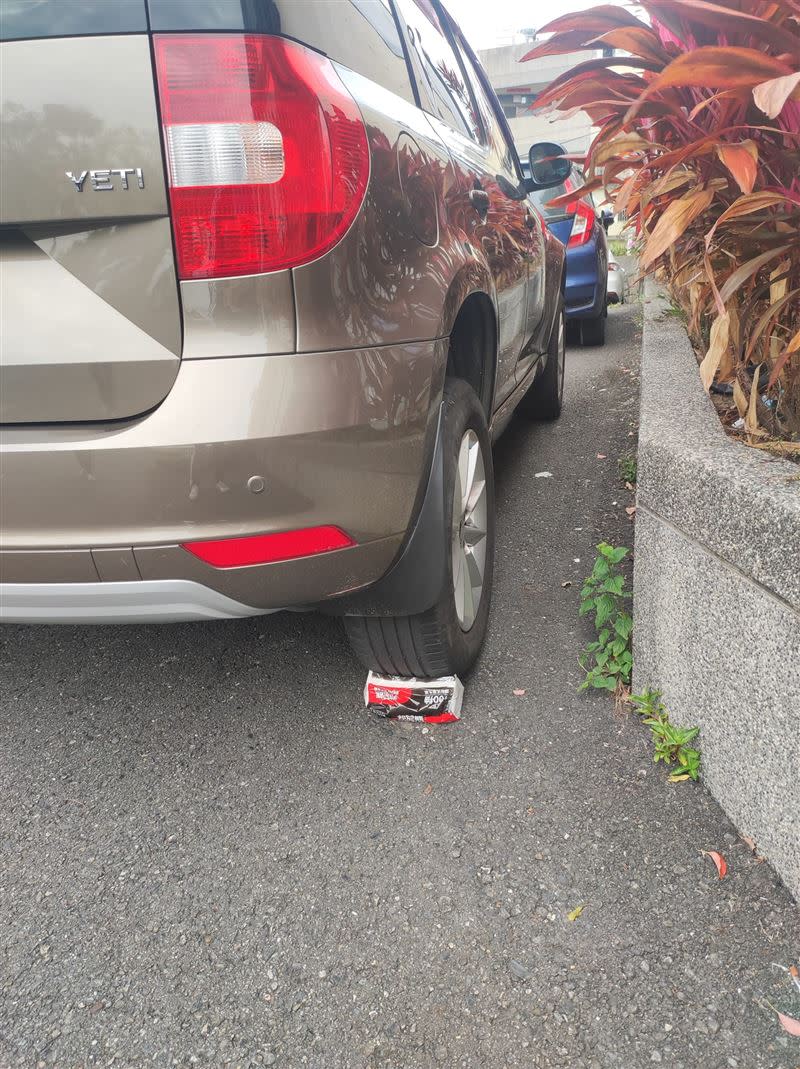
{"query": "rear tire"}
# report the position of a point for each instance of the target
(447, 638)
(545, 398)
(593, 331)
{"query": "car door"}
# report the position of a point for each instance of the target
(482, 197)
(526, 227)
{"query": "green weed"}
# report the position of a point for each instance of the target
(627, 469)
(671, 743)
(608, 660)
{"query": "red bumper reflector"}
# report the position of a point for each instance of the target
(266, 548)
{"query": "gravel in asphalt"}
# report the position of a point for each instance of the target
(212, 856)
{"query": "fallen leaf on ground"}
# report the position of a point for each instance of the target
(428, 789)
(779, 447)
(719, 861)
(789, 1024)
(751, 843)
(519, 692)
(573, 916)
(679, 779)
(631, 509)
(601, 456)
(630, 486)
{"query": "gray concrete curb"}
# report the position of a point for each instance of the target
(717, 593)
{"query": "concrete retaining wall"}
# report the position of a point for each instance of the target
(717, 593)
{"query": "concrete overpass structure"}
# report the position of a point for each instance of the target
(517, 85)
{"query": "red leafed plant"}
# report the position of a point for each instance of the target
(699, 143)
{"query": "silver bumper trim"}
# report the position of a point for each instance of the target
(145, 601)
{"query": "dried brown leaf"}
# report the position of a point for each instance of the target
(674, 221)
(751, 416)
(746, 205)
(742, 162)
(636, 40)
(777, 289)
(746, 271)
(715, 67)
(718, 345)
(739, 398)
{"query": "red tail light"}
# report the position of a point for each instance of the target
(582, 223)
(267, 548)
(267, 153)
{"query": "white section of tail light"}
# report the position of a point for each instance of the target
(579, 225)
(224, 154)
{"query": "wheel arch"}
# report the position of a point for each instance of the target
(472, 351)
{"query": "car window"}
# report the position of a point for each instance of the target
(542, 197)
(60, 18)
(494, 135)
(443, 90)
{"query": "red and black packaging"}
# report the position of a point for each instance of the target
(421, 701)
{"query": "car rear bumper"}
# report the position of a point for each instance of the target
(241, 446)
(616, 288)
(584, 292)
(144, 601)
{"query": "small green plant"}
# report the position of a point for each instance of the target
(673, 311)
(627, 469)
(608, 660)
(618, 246)
(671, 743)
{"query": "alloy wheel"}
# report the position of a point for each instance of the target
(470, 520)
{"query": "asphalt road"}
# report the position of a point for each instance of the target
(212, 856)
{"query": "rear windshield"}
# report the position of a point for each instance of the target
(541, 197)
(69, 18)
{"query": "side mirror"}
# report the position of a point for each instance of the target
(606, 218)
(548, 166)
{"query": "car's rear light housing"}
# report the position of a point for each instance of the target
(267, 153)
(269, 548)
(582, 223)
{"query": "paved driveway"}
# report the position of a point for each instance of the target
(211, 856)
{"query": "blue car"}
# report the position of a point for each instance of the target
(579, 226)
